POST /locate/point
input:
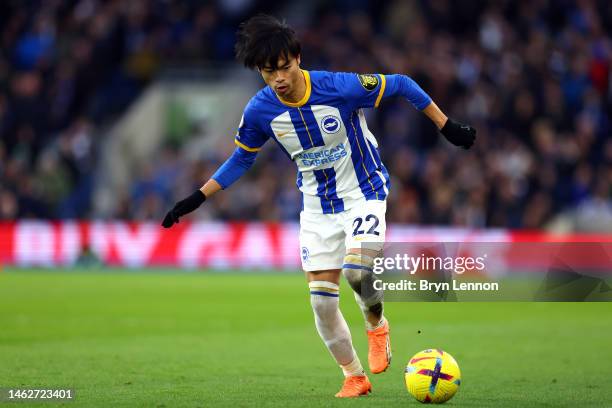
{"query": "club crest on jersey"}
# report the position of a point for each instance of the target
(368, 81)
(330, 124)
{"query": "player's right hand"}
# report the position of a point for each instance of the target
(183, 207)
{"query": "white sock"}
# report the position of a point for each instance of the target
(353, 368)
(330, 323)
(364, 311)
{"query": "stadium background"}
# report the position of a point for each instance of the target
(111, 111)
(532, 77)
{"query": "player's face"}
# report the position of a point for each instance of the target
(285, 79)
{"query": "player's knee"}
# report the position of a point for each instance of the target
(357, 270)
(324, 298)
(355, 267)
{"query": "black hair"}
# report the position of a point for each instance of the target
(263, 39)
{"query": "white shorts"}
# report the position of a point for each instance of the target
(325, 238)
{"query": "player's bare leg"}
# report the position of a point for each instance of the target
(324, 297)
(358, 271)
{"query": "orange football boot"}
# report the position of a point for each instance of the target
(379, 349)
(355, 386)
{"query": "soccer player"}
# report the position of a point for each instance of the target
(317, 119)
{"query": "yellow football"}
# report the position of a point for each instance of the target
(432, 376)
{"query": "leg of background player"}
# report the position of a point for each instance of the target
(324, 297)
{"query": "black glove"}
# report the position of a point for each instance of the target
(458, 133)
(183, 207)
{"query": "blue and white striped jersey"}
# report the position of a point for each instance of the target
(326, 135)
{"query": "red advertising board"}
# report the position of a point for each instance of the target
(213, 245)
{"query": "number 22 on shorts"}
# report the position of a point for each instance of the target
(370, 220)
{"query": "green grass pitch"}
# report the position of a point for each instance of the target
(166, 339)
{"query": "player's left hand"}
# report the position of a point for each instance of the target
(183, 207)
(458, 133)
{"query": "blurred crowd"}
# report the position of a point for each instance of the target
(534, 78)
(67, 69)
